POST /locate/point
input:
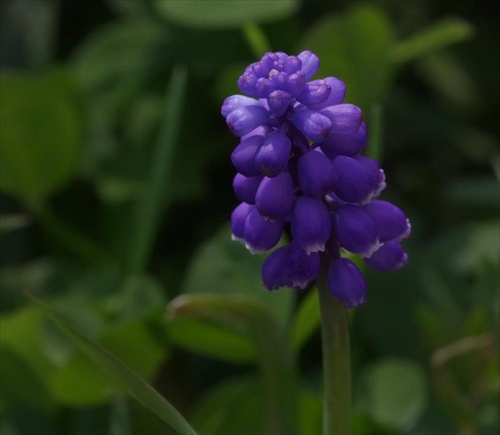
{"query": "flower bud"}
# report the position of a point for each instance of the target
(356, 230)
(345, 118)
(274, 269)
(278, 101)
(245, 188)
(244, 119)
(375, 171)
(235, 102)
(274, 197)
(301, 268)
(336, 144)
(315, 92)
(346, 283)
(296, 83)
(336, 95)
(272, 157)
(310, 224)
(312, 124)
(238, 218)
(391, 222)
(261, 234)
(355, 183)
(316, 174)
(243, 156)
(391, 256)
(310, 63)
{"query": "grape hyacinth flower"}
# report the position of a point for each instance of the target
(299, 166)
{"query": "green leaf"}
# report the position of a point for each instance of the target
(306, 320)
(447, 32)
(122, 374)
(276, 362)
(212, 340)
(231, 407)
(80, 383)
(40, 139)
(355, 47)
(223, 266)
(395, 393)
(218, 14)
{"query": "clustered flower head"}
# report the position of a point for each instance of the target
(299, 163)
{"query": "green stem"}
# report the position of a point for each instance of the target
(256, 38)
(336, 360)
(375, 144)
(68, 237)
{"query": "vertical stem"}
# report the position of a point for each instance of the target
(336, 360)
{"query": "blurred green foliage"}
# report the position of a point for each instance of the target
(116, 191)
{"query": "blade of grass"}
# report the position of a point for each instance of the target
(151, 204)
(121, 373)
(374, 149)
(442, 34)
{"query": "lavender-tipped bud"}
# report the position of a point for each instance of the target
(346, 283)
(245, 188)
(391, 256)
(272, 157)
(312, 124)
(261, 234)
(311, 224)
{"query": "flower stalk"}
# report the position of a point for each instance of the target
(336, 359)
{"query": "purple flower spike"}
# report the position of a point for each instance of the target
(310, 63)
(311, 224)
(246, 187)
(391, 256)
(317, 175)
(345, 144)
(336, 96)
(312, 124)
(261, 234)
(356, 230)
(238, 218)
(243, 156)
(355, 182)
(244, 119)
(301, 268)
(391, 221)
(298, 163)
(279, 101)
(236, 102)
(274, 198)
(346, 283)
(274, 269)
(272, 157)
(315, 92)
(345, 118)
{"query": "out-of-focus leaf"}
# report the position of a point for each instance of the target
(355, 47)
(310, 412)
(27, 33)
(275, 358)
(122, 374)
(437, 36)
(128, 6)
(395, 393)
(212, 340)
(217, 14)
(306, 320)
(474, 192)
(232, 407)
(13, 222)
(119, 51)
(21, 383)
(224, 266)
(40, 139)
(20, 331)
(79, 382)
